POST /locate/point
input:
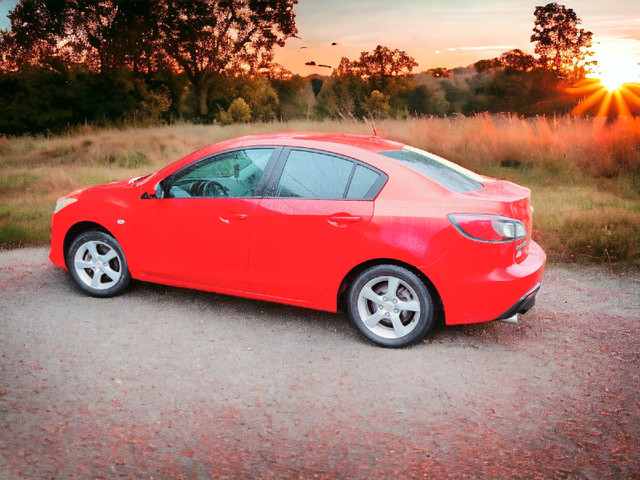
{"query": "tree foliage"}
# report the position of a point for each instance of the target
(117, 62)
(517, 60)
(487, 65)
(208, 37)
(382, 62)
(199, 39)
(562, 47)
(439, 72)
(374, 85)
(42, 100)
(101, 34)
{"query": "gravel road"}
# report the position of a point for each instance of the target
(170, 383)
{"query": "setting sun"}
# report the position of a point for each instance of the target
(615, 69)
(613, 80)
(613, 89)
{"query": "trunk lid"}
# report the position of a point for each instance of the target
(501, 197)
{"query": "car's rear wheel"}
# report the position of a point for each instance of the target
(97, 264)
(391, 306)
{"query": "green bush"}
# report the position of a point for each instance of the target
(134, 160)
(609, 235)
(239, 112)
(130, 160)
(14, 182)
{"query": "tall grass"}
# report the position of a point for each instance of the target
(584, 173)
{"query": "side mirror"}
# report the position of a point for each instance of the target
(159, 191)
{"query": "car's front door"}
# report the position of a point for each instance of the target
(304, 231)
(199, 233)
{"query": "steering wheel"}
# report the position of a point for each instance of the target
(213, 189)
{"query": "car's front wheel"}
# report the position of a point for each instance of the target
(391, 306)
(97, 264)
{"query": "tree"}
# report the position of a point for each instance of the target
(423, 100)
(205, 38)
(343, 97)
(102, 35)
(487, 65)
(374, 84)
(200, 39)
(377, 105)
(382, 62)
(261, 97)
(293, 96)
(524, 93)
(239, 112)
(518, 61)
(439, 72)
(38, 99)
(6, 63)
(561, 46)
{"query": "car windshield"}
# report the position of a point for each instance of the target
(446, 173)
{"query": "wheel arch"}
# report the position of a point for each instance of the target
(78, 229)
(349, 279)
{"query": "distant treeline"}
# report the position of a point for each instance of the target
(40, 100)
(66, 63)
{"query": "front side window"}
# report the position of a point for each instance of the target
(231, 174)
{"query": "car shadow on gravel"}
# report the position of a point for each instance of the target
(322, 323)
(258, 312)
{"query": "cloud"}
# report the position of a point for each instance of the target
(483, 48)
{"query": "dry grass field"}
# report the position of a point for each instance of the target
(584, 173)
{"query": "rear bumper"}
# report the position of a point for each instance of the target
(479, 291)
(523, 305)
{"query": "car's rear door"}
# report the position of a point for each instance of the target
(309, 222)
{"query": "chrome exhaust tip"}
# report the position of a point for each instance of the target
(512, 320)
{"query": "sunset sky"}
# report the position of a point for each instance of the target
(439, 33)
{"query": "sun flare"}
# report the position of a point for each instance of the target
(615, 69)
(613, 89)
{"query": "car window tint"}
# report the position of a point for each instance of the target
(314, 175)
(444, 172)
(361, 182)
(233, 174)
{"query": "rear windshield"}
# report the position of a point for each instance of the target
(446, 173)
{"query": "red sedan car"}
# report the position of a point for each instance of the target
(394, 235)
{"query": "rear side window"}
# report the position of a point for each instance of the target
(312, 174)
(363, 179)
(446, 173)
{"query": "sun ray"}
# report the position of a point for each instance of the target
(623, 101)
(621, 104)
(584, 86)
(614, 89)
(589, 102)
(605, 104)
(631, 98)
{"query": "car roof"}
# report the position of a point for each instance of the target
(349, 145)
(316, 139)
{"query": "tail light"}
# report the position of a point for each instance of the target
(488, 228)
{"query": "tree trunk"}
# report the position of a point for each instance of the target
(203, 97)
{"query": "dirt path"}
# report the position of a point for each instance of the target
(180, 384)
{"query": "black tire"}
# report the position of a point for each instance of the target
(394, 320)
(97, 264)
